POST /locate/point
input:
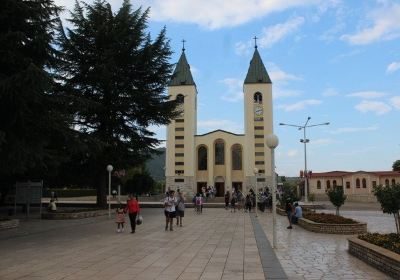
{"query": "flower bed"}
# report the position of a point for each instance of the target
(376, 256)
(389, 241)
(73, 214)
(329, 223)
(328, 218)
(8, 223)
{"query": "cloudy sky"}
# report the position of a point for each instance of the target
(335, 61)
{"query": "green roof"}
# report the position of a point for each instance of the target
(182, 74)
(257, 73)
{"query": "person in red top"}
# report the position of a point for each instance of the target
(133, 208)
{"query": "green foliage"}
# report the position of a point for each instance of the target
(337, 197)
(396, 165)
(311, 197)
(289, 193)
(389, 198)
(69, 192)
(139, 184)
(34, 128)
(114, 76)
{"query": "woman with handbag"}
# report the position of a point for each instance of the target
(180, 211)
(133, 208)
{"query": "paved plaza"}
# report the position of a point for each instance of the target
(217, 244)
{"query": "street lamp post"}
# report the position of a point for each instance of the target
(255, 174)
(305, 141)
(109, 169)
(272, 143)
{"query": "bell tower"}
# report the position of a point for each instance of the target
(258, 123)
(179, 169)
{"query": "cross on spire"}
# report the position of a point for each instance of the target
(183, 45)
(255, 42)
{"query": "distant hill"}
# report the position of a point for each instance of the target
(156, 165)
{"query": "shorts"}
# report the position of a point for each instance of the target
(180, 213)
(169, 214)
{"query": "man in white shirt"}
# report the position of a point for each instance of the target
(298, 213)
(169, 210)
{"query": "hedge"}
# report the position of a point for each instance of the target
(69, 192)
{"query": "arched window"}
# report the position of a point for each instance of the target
(334, 183)
(328, 184)
(219, 152)
(357, 183)
(319, 184)
(258, 98)
(202, 158)
(180, 98)
(387, 182)
(393, 182)
(236, 157)
(364, 183)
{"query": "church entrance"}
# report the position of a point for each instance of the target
(219, 188)
(237, 186)
(201, 186)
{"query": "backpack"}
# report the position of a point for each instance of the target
(198, 200)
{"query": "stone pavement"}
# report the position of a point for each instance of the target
(217, 244)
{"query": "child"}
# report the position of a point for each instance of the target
(120, 218)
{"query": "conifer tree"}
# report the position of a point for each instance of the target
(32, 124)
(115, 76)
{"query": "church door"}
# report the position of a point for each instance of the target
(220, 188)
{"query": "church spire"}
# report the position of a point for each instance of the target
(257, 74)
(182, 74)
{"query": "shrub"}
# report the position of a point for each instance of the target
(70, 192)
(324, 218)
(337, 197)
(389, 198)
(389, 241)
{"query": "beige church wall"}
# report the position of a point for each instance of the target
(208, 140)
(190, 124)
(266, 91)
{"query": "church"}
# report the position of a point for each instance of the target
(220, 158)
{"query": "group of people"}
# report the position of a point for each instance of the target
(174, 207)
(293, 212)
(237, 201)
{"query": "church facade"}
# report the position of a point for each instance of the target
(220, 158)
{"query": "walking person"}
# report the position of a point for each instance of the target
(180, 209)
(289, 212)
(120, 218)
(133, 208)
(169, 210)
(248, 203)
(199, 203)
(227, 196)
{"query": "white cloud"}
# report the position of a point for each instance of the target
(213, 14)
(322, 141)
(270, 35)
(395, 102)
(292, 153)
(273, 34)
(353, 129)
(205, 126)
(342, 56)
(377, 107)
(282, 93)
(234, 92)
(278, 75)
(330, 92)
(299, 105)
(367, 94)
(384, 25)
(393, 67)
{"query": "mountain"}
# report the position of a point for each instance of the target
(156, 165)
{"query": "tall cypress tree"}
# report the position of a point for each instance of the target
(116, 77)
(32, 124)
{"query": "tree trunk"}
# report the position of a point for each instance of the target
(397, 219)
(100, 183)
(337, 211)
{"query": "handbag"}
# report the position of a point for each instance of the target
(139, 219)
